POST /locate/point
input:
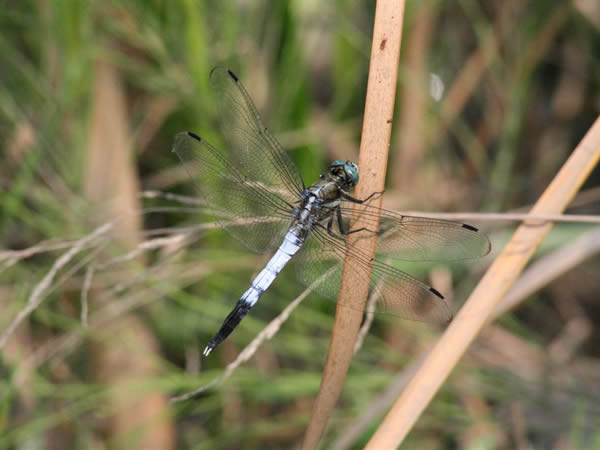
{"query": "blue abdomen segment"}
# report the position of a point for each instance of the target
(290, 245)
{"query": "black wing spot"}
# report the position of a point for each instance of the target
(233, 75)
(469, 227)
(436, 292)
(194, 135)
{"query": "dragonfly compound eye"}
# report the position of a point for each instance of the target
(351, 170)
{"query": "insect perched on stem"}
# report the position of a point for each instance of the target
(259, 190)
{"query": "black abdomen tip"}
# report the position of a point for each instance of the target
(233, 75)
(436, 292)
(469, 227)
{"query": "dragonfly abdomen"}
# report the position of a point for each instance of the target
(290, 245)
(288, 248)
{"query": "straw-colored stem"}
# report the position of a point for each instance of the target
(485, 298)
(375, 142)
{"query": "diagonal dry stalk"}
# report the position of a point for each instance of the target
(487, 295)
(374, 146)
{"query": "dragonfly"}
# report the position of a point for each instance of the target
(257, 194)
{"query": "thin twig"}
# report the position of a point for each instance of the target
(87, 283)
(176, 240)
(508, 217)
(83, 262)
(37, 296)
(11, 257)
(109, 311)
(175, 197)
(369, 316)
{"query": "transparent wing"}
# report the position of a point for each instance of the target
(255, 214)
(410, 238)
(399, 237)
(254, 150)
(395, 291)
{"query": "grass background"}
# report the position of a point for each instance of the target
(492, 99)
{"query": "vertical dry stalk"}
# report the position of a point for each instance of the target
(484, 299)
(375, 142)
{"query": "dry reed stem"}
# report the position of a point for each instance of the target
(486, 296)
(112, 186)
(375, 142)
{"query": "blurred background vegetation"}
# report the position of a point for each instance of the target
(492, 98)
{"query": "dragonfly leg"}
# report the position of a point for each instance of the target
(343, 229)
(352, 199)
(330, 229)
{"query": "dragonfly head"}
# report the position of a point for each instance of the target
(346, 171)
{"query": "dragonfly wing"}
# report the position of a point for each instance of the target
(254, 149)
(255, 214)
(395, 291)
(411, 238)
(316, 258)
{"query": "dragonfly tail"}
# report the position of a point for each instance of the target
(233, 319)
